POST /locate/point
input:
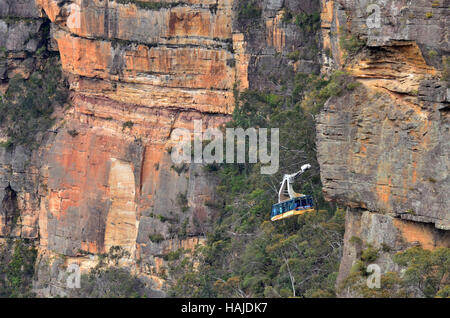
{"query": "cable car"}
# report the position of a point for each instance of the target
(288, 208)
(296, 204)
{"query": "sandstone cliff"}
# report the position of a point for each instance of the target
(384, 149)
(104, 177)
(137, 73)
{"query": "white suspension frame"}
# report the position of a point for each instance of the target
(288, 180)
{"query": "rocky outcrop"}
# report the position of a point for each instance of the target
(277, 45)
(383, 148)
(136, 73)
(22, 33)
(103, 176)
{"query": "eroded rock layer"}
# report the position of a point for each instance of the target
(22, 33)
(103, 176)
(136, 73)
(384, 148)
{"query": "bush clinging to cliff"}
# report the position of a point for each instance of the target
(426, 274)
(28, 105)
(249, 12)
(17, 259)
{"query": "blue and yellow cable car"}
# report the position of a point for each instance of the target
(288, 208)
(296, 204)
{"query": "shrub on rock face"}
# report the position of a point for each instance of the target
(28, 105)
(17, 260)
(350, 43)
(248, 12)
(426, 271)
(111, 282)
(426, 274)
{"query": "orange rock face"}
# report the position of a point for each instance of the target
(136, 74)
(380, 146)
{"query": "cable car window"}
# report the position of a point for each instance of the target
(292, 205)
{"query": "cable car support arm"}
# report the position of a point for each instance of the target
(288, 180)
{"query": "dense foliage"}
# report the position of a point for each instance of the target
(249, 12)
(17, 260)
(247, 255)
(28, 105)
(109, 280)
(425, 274)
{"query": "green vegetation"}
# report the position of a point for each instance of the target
(426, 274)
(113, 256)
(41, 50)
(156, 237)
(426, 271)
(163, 218)
(29, 104)
(182, 202)
(110, 282)
(350, 43)
(12, 20)
(182, 232)
(148, 5)
(16, 269)
(246, 255)
(292, 258)
(321, 90)
(308, 23)
(432, 53)
(370, 254)
(249, 12)
(180, 168)
(446, 69)
(128, 124)
(287, 16)
(174, 255)
(355, 240)
(294, 56)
